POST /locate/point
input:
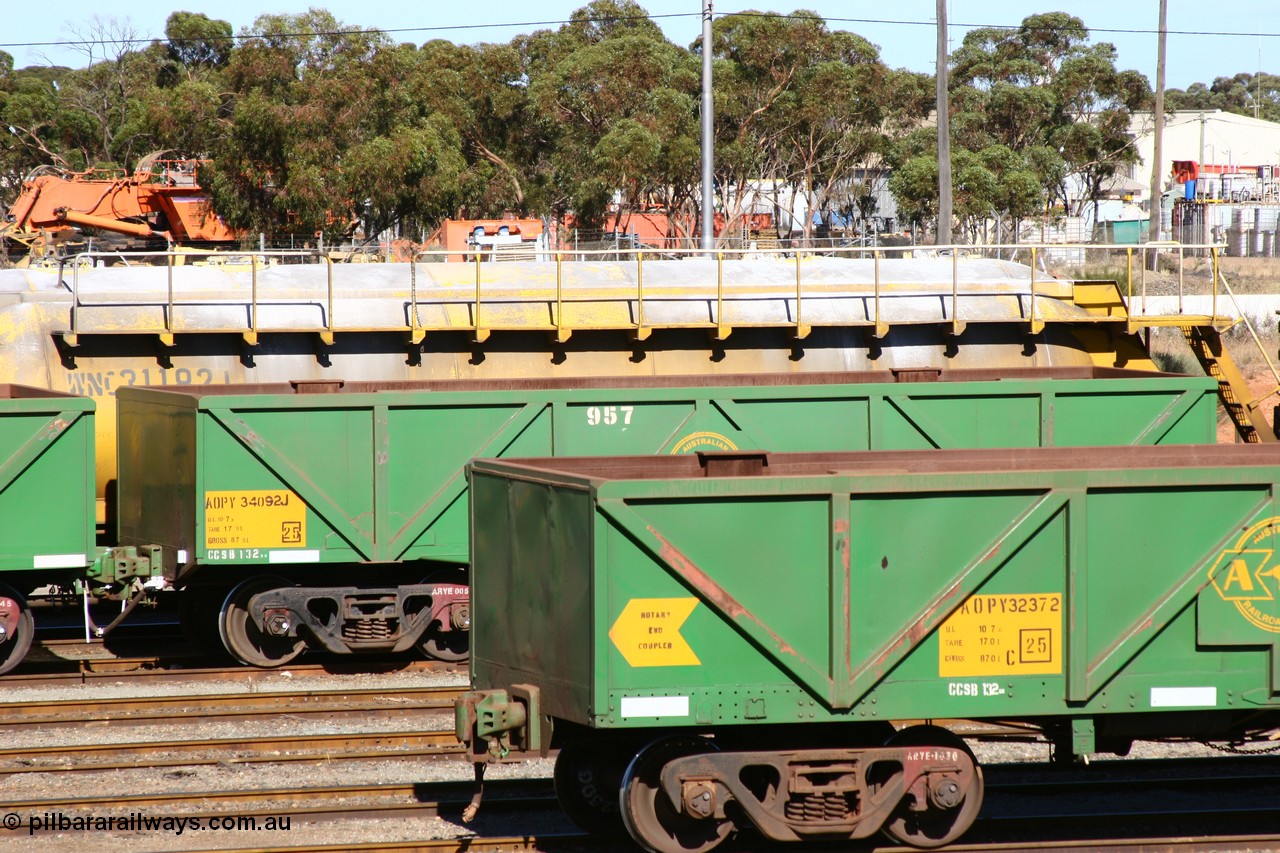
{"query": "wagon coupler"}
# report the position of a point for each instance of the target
(492, 724)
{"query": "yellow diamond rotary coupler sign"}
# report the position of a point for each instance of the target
(647, 632)
(254, 518)
(1002, 635)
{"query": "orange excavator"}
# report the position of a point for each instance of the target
(159, 205)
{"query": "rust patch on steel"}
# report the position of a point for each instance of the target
(848, 623)
(249, 436)
(841, 528)
(916, 631)
(715, 594)
(1147, 624)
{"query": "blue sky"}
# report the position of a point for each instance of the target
(1242, 35)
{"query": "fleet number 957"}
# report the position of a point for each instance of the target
(609, 415)
(974, 688)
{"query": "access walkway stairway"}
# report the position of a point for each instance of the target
(1204, 335)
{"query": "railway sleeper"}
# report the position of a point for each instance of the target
(347, 620)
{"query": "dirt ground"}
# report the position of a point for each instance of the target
(1245, 275)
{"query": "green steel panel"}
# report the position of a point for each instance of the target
(550, 571)
(46, 468)
(1000, 584)
(378, 468)
(325, 455)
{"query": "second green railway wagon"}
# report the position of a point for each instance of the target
(337, 512)
(48, 548)
(46, 503)
(725, 638)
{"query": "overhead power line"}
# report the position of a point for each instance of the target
(963, 26)
(352, 31)
(559, 22)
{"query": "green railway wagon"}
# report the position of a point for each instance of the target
(337, 511)
(46, 502)
(724, 639)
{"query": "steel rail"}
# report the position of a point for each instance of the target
(1172, 844)
(398, 801)
(221, 706)
(190, 753)
(147, 669)
(468, 844)
(498, 793)
(570, 841)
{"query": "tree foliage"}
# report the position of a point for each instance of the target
(311, 124)
(198, 41)
(803, 110)
(1033, 108)
(1256, 94)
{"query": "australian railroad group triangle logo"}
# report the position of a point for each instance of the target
(1248, 575)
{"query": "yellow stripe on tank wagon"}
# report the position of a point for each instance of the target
(1002, 635)
(254, 518)
(647, 632)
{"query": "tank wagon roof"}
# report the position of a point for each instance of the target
(579, 294)
(768, 275)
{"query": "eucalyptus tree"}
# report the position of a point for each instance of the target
(483, 91)
(182, 109)
(33, 132)
(616, 104)
(320, 135)
(1037, 105)
(1248, 94)
(106, 99)
(802, 108)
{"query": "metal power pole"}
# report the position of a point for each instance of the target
(708, 140)
(1200, 163)
(1158, 152)
(944, 134)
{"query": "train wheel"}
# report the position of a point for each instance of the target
(649, 815)
(588, 776)
(15, 644)
(447, 646)
(242, 638)
(951, 813)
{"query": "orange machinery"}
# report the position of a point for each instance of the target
(160, 200)
(471, 237)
